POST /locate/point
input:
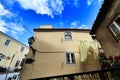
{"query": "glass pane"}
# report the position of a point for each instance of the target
(118, 21)
(68, 35)
(17, 63)
(7, 42)
(115, 29)
(73, 58)
(22, 49)
(67, 58)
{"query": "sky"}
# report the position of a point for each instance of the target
(18, 18)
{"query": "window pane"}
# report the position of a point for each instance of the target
(17, 63)
(7, 42)
(67, 58)
(22, 49)
(70, 58)
(73, 57)
(68, 35)
(118, 22)
(115, 30)
(29, 60)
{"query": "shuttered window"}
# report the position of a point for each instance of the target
(70, 58)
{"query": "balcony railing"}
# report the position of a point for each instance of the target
(106, 74)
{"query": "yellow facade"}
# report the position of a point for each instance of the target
(12, 51)
(50, 56)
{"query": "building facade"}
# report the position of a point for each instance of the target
(106, 27)
(57, 52)
(12, 53)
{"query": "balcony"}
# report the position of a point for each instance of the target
(105, 74)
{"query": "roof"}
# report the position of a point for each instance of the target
(12, 38)
(59, 29)
(101, 15)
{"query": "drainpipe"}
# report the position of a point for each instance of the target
(7, 71)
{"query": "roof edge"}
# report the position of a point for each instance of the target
(13, 38)
(59, 29)
(101, 15)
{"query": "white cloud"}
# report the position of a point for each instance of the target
(76, 3)
(72, 3)
(49, 7)
(14, 28)
(83, 27)
(2, 26)
(4, 12)
(100, 1)
(89, 2)
(74, 24)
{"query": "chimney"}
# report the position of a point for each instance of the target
(46, 27)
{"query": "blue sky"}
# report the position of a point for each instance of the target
(18, 18)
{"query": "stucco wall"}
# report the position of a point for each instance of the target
(13, 48)
(50, 58)
(110, 45)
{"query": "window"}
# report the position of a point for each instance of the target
(68, 35)
(22, 49)
(1, 57)
(29, 61)
(115, 28)
(22, 62)
(7, 42)
(70, 58)
(94, 37)
(17, 63)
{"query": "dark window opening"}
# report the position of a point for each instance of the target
(22, 49)
(68, 35)
(70, 58)
(7, 42)
(29, 61)
(118, 21)
(17, 63)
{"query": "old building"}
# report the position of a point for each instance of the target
(106, 28)
(59, 51)
(12, 53)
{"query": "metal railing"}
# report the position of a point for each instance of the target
(106, 74)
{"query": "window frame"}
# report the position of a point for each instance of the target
(71, 60)
(22, 49)
(7, 42)
(29, 61)
(17, 64)
(1, 57)
(114, 34)
(67, 33)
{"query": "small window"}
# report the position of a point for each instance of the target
(68, 35)
(70, 58)
(7, 42)
(22, 62)
(22, 49)
(29, 61)
(17, 63)
(2, 55)
(94, 37)
(115, 28)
